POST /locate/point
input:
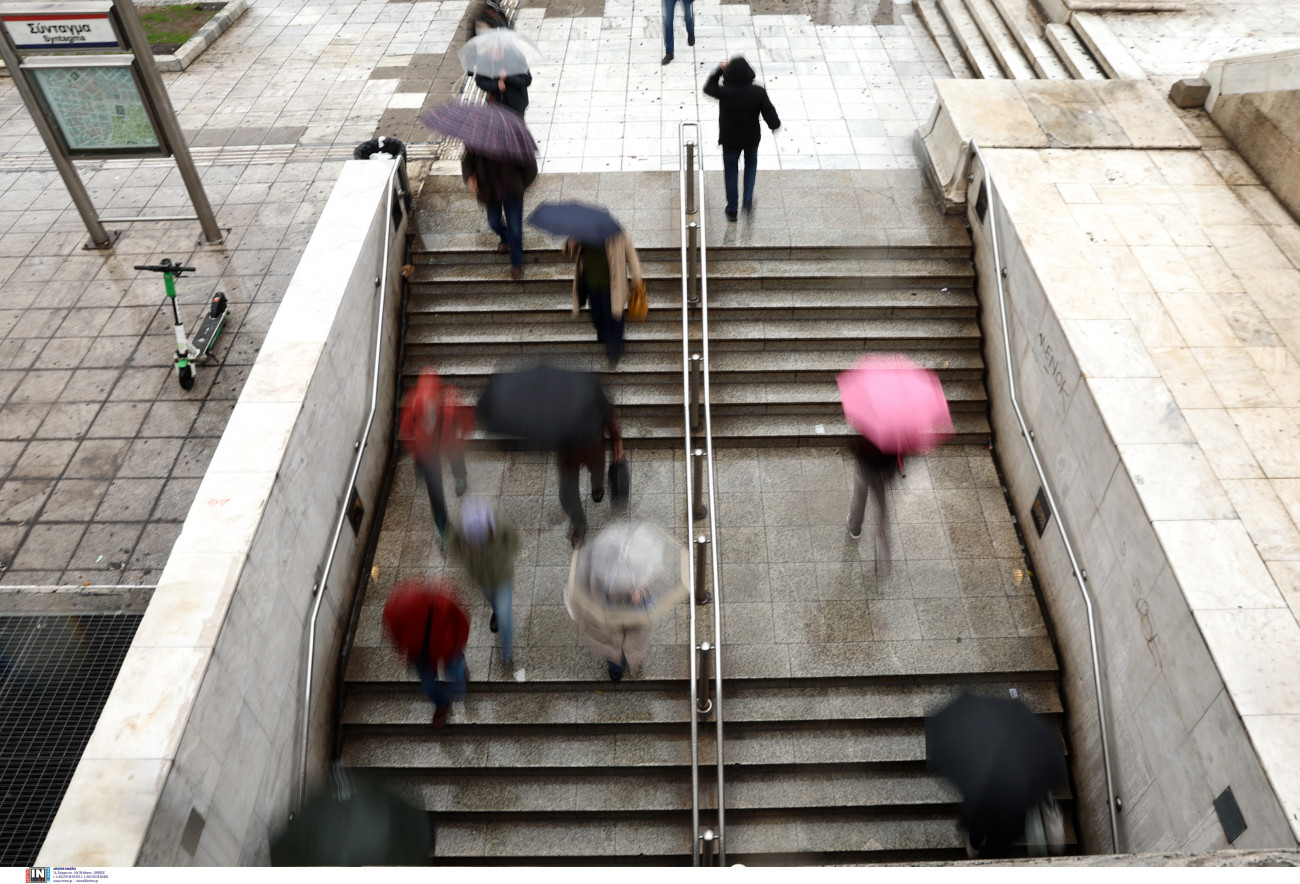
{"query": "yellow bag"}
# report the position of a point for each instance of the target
(637, 306)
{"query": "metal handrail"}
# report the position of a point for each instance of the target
(1079, 574)
(318, 589)
(710, 841)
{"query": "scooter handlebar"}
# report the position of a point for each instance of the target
(165, 266)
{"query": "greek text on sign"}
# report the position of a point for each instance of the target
(53, 31)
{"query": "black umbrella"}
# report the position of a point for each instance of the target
(354, 823)
(1002, 757)
(547, 407)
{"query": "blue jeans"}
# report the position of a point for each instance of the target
(442, 694)
(432, 473)
(609, 330)
(512, 231)
(730, 169)
(688, 7)
(501, 598)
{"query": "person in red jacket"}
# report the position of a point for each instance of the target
(429, 627)
(435, 422)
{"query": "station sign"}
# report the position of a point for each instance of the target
(60, 27)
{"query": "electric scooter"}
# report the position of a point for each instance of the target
(188, 352)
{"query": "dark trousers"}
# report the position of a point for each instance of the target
(571, 464)
(731, 169)
(609, 330)
(512, 230)
(431, 470)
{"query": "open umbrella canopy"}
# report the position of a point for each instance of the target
(489, 129)
(547, 407)
(497, 52)
(630, 574)
(590, 224)
(895, 403)
(1002, 757)
(354, 822)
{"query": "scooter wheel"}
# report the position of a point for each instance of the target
(186, 377)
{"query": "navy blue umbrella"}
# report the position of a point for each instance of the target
(586, 224)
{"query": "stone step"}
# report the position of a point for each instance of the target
(1105, 47)
(1013, 658)
(970, 40)
(937, 26)
(998, 36)
(728, 299)
(509, 704)
(1073, 54)
(1026, 26)
(743, 335)
(470, 371)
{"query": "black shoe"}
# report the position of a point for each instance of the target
(667, 58)
(577, 537)
(748, 210)
(690, 39)
(598, 494)
(492, 624)
(616, 675)
(731, 216)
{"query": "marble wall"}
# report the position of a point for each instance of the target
(195, 758)
(1106, 424)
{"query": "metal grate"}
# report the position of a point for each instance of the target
(56, 671)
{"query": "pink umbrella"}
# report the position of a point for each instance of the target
(896, 404)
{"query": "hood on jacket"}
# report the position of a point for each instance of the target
(738, 72)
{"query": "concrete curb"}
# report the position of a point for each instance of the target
(205, 37)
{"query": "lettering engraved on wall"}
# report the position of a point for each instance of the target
(1053, 366)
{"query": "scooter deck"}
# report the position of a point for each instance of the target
(205, 338)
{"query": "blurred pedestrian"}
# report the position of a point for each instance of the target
(688, 10)
(485, 543)
(625, 648)
(429, 627)
(485, 16)
(600, 277)
(434, 424)
(740, 103)
(508, 89)
(499, 186)
(591, 454)
(875, 472)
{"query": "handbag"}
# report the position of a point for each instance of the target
(619, 481)
(637, 305)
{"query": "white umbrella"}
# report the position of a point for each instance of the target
(629, 574)
(498, 52)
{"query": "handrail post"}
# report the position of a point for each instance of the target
(701, 547)
(698, 509)
(703, 704)
(697, 372)
(707, 843)
(693, 263)
(690, 178)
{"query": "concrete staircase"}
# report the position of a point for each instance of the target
(783, 322)
(818, 771)
(1018, 40)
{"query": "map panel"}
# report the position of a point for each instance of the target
(97, 109)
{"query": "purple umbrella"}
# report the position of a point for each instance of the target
(489, 129)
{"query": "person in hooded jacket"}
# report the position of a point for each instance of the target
(740, 103)
(485, 542)
(499, 186)
(434, 424)
(429, 627)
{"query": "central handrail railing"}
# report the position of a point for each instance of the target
(708, 843)
(1079, 574)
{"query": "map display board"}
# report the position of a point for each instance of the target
(97, 111)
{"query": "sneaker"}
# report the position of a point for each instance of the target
(849, 524)
(598, 494)
(462, 485)
(440, 717)
(492, 624)
(731, 216)
(667, 58)
(516, 273)
(690, 39)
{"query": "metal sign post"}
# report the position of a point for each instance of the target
(96, 106)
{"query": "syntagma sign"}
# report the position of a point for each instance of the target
(59, 27)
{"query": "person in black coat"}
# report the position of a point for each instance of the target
(740, 103)
(499, 186)
(508, 89)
